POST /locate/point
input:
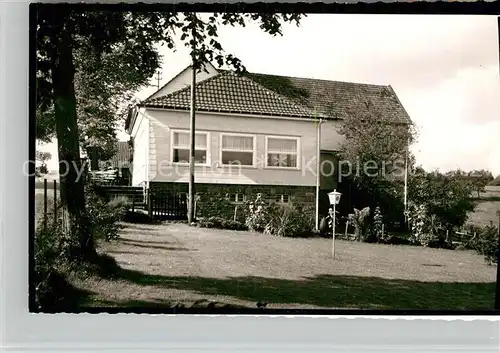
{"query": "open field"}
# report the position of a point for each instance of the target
(491, 192)
(487, 207)
(176, 264)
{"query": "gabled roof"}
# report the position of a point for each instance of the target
(262, 94)
(337, 99)
(206, 65)
(232, 93)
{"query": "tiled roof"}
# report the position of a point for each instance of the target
(286, 96)
(337, 99)
(232, 93)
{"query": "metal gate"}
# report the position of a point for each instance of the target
(165, 205)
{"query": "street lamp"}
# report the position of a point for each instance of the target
(334, 198)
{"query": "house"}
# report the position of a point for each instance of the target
(255, 133)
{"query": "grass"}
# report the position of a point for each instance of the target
(177, 265)
(487, 207)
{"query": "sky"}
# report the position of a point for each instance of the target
(444, 69)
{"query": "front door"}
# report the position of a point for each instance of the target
(328, 171)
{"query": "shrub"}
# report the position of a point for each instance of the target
(359, 220)
(53, 257)
(436, 233)
(426, 229)
(288, 221)
(105, 216)
(256, 217)
(417, 217)
(376, 230)
(484, 243)
(214, 206)
(488, 244)
(221, 223)
(446, 196)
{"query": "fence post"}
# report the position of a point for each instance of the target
(45, 201)
(346, 226)
(55, 203)
(235, 212)
(148, 200)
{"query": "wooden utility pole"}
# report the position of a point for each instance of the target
(497, 291)
(318, 171)
(405, 201)
(191, 191)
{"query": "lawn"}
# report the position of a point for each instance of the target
(174, 264)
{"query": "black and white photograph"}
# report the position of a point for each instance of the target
(188, 161)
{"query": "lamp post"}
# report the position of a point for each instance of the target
(334, 198)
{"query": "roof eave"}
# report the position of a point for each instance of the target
(227, 111)
(402, 106)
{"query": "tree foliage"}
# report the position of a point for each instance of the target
(378, 145)
(447, 196)
(480, 178)
(116, 57)
(88, 61)
(42, 158)
(372, 157)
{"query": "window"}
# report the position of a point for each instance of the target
(236, 197)
(237, 149)
(310, 197)
(282, 152)
(284, 198)
(180, 147)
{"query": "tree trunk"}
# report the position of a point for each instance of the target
(94, 159)
(71, 182)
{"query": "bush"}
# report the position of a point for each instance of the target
(221, 223)
(427, 229)
(488, 244)
(105, 216)
(53, 258)
(376, 232)
(214, 206)
(288, 221)
(484, 243)
(359, 220)
(446, 196)
(256, 216)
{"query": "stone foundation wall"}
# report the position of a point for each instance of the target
(212, 197)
